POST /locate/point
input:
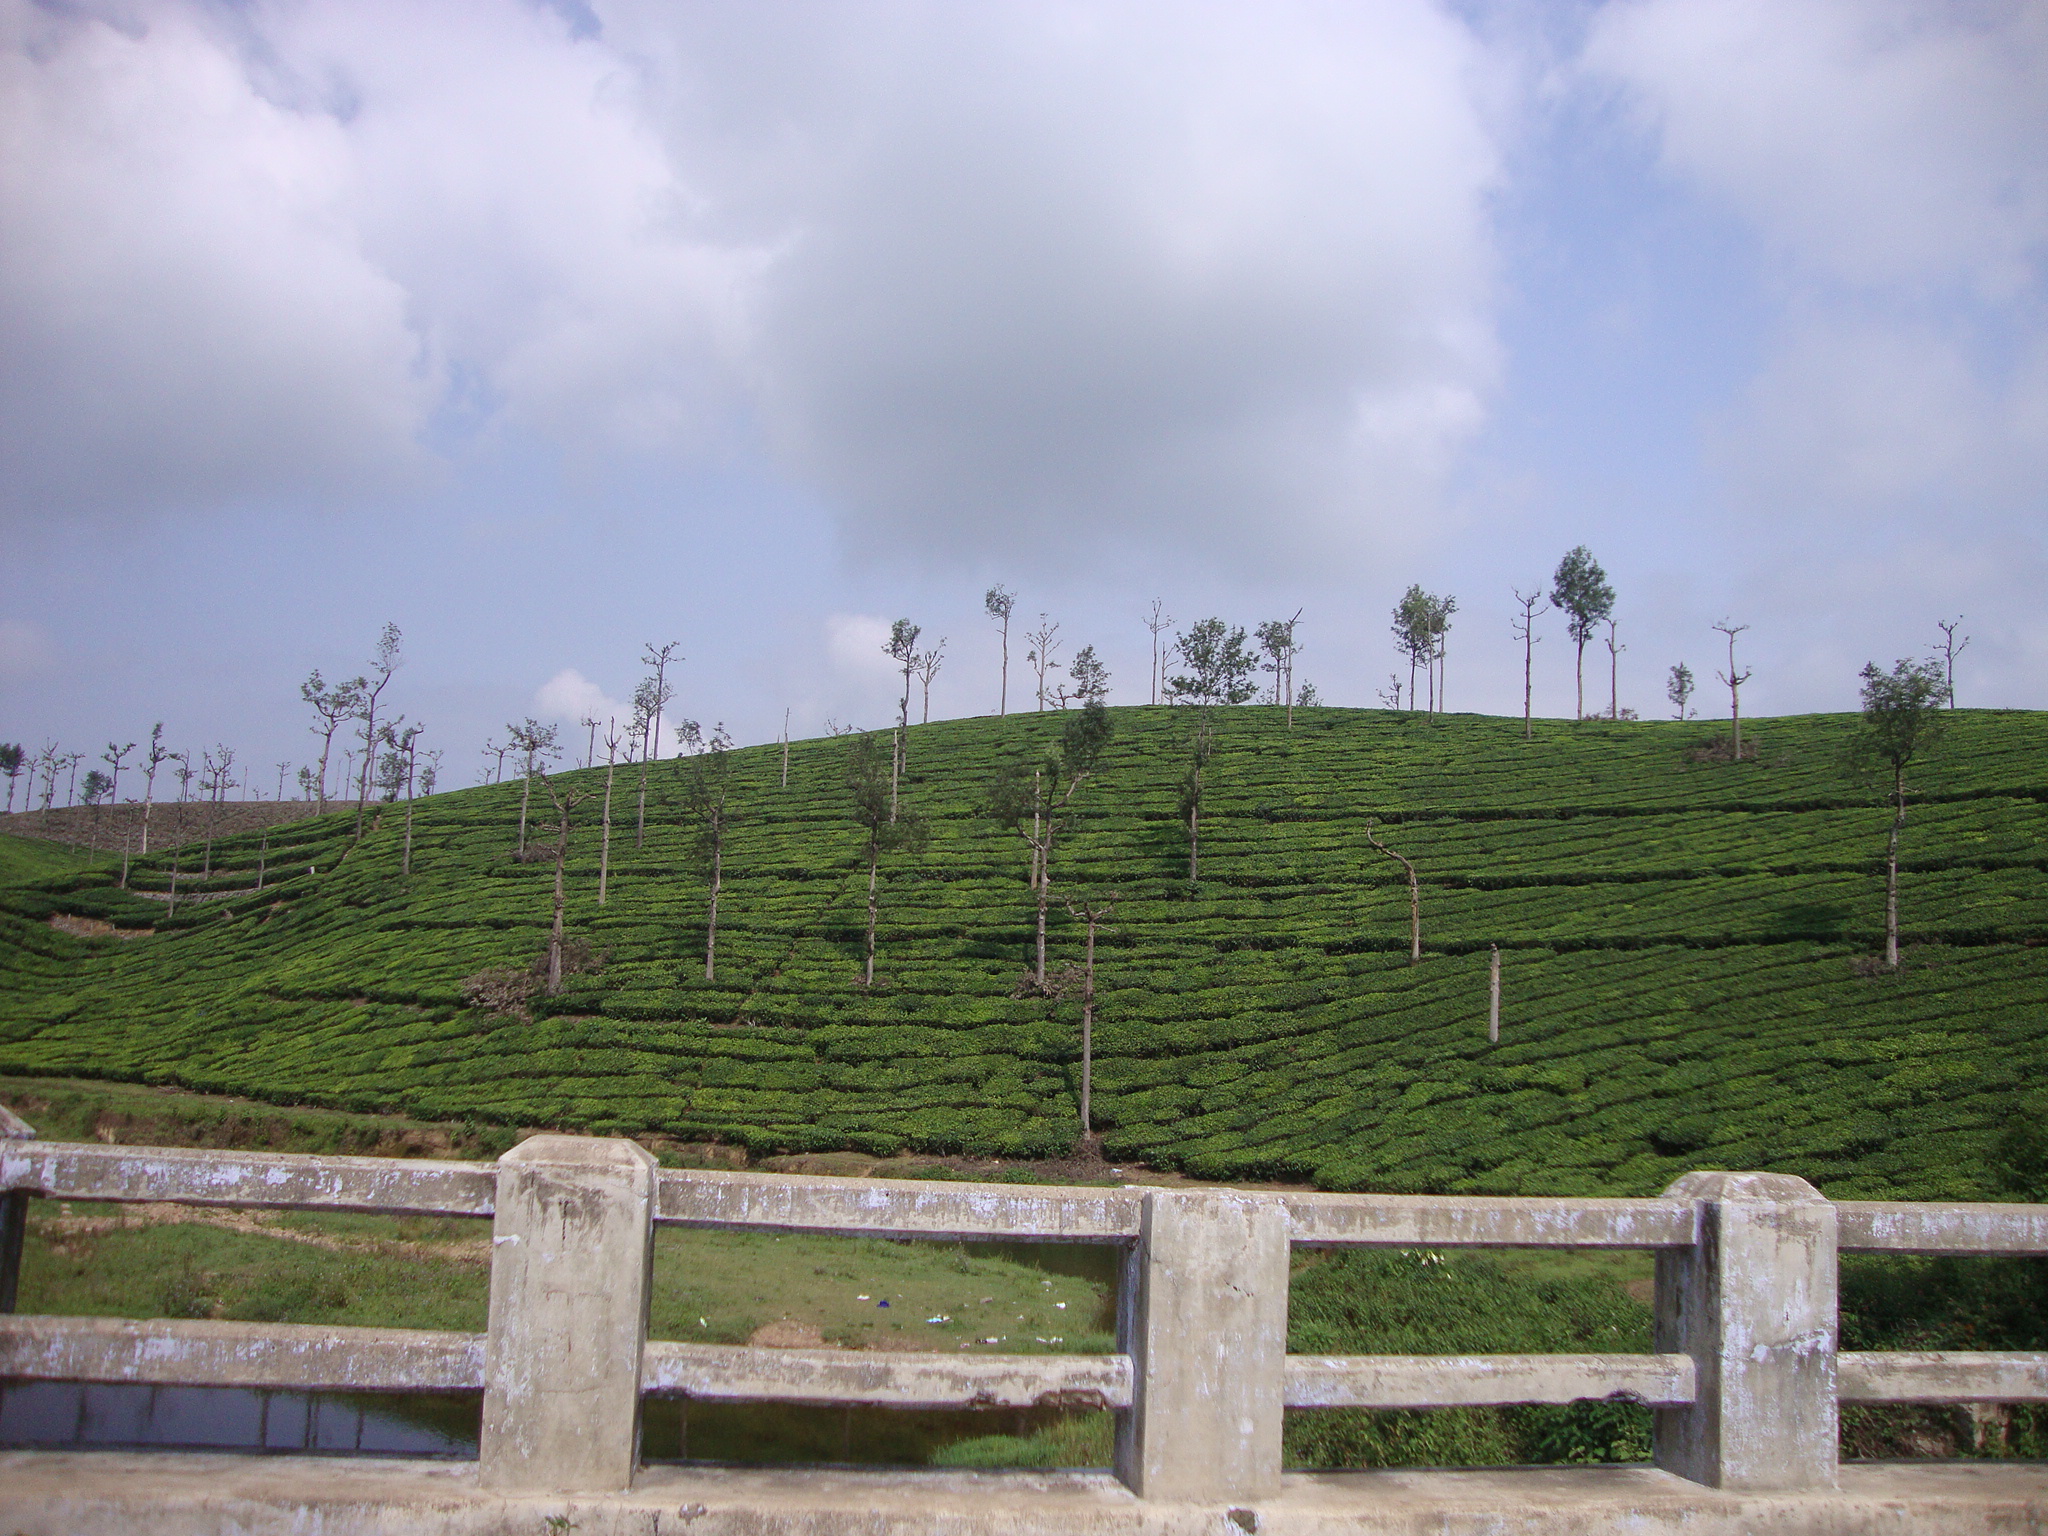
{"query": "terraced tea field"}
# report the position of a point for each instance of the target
(1681, 954)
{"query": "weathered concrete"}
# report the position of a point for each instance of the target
(1482, 1221)
(734, 1373)
(308, 1357)
(1897, 1226)
(1754, 1305)
(1204, 1320)
(900, 1207)
(1471, 1381)
(1943, 1376)
(13, 1214)
(71, 1170)
(112, 1494)
(571, 1265)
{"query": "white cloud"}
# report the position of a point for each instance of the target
(571, 697)
(856, 643)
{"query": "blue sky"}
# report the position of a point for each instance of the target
(546, 331)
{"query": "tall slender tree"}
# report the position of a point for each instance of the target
(535, 744)
(1194, 784)
(1158, 621)
(902, 649)
(1525, 631)
(1042, 796)
(153, 759)
(927, 669)
(707, 794)
(656, 659)
(882, 831)
(1277, 640)
(1949, 650)
(382, 665)
(1901, 721)
(398, 774)
(1679, 689)
(1412, 635)
(1579, 589)
(999, 601)
(612, 739)
(565, 799)
(1088, 675)
(646, 708)
(1733, 680)
(1043, 642)
(11, 757)
(1414, 894)
(333, 705)
(1092, 913)
(114, 757)
(1613, 672)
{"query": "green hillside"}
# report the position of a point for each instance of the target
(1682, 950)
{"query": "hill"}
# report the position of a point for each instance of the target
(1684, 941)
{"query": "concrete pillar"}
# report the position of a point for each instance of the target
(1204, 1319)
(1754, 1305)
(571, 1259)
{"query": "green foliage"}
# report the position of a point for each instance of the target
(1579, 588)
(1902, 712)
(1678, 939)
(1220, 666)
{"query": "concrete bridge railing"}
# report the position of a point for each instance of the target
(1745, 1380)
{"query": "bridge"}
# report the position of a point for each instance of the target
(1745, 1378)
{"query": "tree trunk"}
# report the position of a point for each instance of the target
(555, 933)
(874, 861)
(1735, 716)
(1613, 676)
(1414, 916)
(1088, 1032)
(405, 864)
(711, 927)
(640, 815)
(604, 857)
(1493, 997)
(1044, 893)
(326, 748)
(1528, 678)
(1891, 875)
(262, 857)
(525, 794)
(1579, 710)
(1195, 842)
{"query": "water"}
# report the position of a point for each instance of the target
(75, 1415)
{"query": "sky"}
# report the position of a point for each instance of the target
(547, 330)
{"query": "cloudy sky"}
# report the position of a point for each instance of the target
(545, 330)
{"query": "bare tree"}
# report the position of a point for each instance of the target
(1734, 681)
(927, 668)
(590, 748)
(1158, 621)
(1613, 672)
(565, 801)
(382, 665)
(1043, 643)
(785, 746)
(1414, 895)
(398, 772)
(1390, 696)
(216, 779)
(1525, 631)
(1045, 795)
(999, 601)
(1949, 650)
(1092, 913)
(882, 829)
(114, 757)
(708, 794)
(657, 658)
(646, 707)
(333, 705)
(1277, 639)
(611, 759)
(902, 648)
(1901, 719)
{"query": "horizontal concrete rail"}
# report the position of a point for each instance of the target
(899, 1207)
(301, 1356)
(831, 1376)
(69, 1170)
(1480, 1221)
(1946, 1376)
(1484, 1381)
(1894, 1226)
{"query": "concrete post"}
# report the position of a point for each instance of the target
(13, 1215)
(571, 1260)
(1204, 1319)
(1754, 1305)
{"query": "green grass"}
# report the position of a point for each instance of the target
(26, 859)
(1680, 944)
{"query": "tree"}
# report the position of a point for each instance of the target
(1091, 912)
(1042, 643)
(1950, 649)
(901, 647)
(333, 705)
(1414, 895)
(381, 667)
(305, 780)
(215, 780)
(10, 764)
(1089, 676)
(114, 757)
(1613, 673)
(707, 793)
(1276, 638)
(1308, 698)
(565, 801)
(1194, 781)
(398, 772)
(1412, 636)
(1901, 720)
(646, 706)
(611, 758)
(154, 759)
(590, 746)
(1579, 589)
(1525, 631)
(1440, 611)
(1734, 680)
(535, 744)
(999, 601)
(1680, 689)
(1041, 799)
(657, 658)
(927, 669)
(1158, 621)
(1220, 667)
(881, 832)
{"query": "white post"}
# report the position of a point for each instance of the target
(1754, 1305)
(1204, 1319)
(571, 1259)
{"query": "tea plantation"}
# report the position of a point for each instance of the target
(1684, 955)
